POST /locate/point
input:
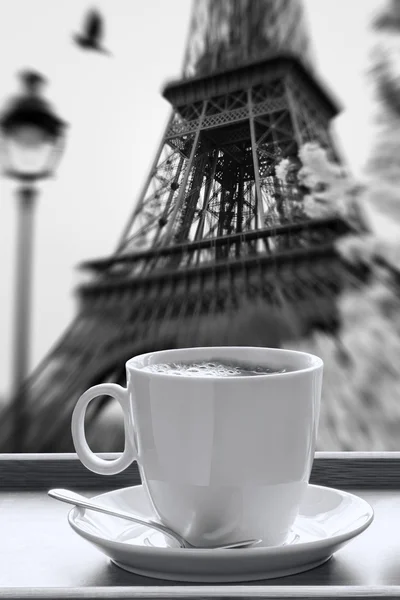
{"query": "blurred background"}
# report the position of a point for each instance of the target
(180, 174)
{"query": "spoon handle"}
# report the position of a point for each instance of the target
(77, 500)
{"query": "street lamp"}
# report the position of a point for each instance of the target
(31, 144)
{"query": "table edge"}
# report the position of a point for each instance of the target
(363, 470)
(199, 592)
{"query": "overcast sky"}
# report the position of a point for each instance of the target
(116, 117)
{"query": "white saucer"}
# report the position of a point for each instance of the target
(327, 520)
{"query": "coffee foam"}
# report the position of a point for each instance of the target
(211, 369)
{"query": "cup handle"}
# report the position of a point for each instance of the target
(85, 455)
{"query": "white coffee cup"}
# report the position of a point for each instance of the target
(222, 458)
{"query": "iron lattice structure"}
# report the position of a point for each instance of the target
(217, 251)
(214, 174)
(224, 34)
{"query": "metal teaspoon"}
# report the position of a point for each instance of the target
(71, 497)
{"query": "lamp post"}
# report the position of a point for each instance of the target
(31, 144)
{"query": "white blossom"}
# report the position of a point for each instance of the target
(282, 168)
(331, 189)
(356, 249)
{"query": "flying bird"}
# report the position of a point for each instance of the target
(93, 33)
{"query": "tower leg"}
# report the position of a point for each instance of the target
(138, 206)
(260, 208)
(207, 195)
(181, 197)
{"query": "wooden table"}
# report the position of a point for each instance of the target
(41, 557)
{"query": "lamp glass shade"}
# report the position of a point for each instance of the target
(28, 150)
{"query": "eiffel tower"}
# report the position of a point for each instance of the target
(218, 251)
